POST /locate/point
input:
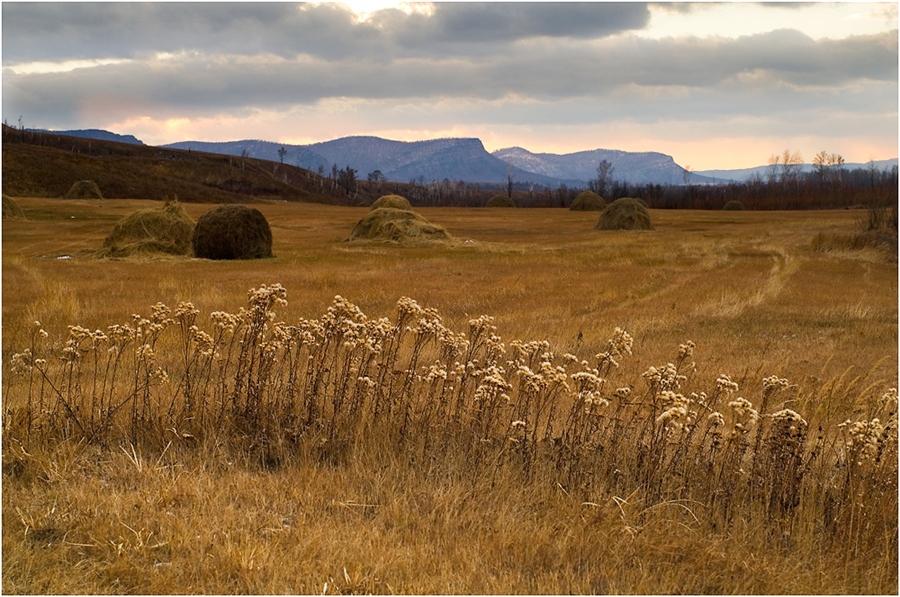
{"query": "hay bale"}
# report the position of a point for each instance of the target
(626, 213)
(398, 225)
(232, 232)
(84, 189)
(11, 209)
(588, 201)
(392, 202)
(167, 229)
(733, 205)
(500, 201)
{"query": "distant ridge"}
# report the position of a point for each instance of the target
(745, 174)
(633, 167)
(98, 134)
(398, 161)
(463, 159)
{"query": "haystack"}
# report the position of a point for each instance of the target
(500, 201)
(733, 205)
(11, 209)
(588, 201)
(167, 229)
(232, 232)
(397, 225)
(625, 214)
(393, 202)
(84, 189)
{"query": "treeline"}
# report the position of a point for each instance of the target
(782, 188)
(820, 189)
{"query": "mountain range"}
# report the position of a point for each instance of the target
(464, 159)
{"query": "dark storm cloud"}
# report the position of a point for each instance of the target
(495, 22)
(66, 31)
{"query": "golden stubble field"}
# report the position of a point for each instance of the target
(745, 287)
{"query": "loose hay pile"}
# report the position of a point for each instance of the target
(625, 214)
(167, 229)
(11, 209)
(232, 232)
(396, 225)
(588, 201)
(393, 202)
(733, 205)
(84, 189)
(500, 201)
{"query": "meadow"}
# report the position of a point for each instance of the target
(534, 407)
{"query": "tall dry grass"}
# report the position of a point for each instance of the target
(258, 446)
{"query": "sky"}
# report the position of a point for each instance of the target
(714, 85)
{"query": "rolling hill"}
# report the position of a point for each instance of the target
(47, 164)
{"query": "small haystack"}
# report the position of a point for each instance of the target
(84, 189)
(167, 229)
(398, 225)
(232, 232)
(588, 201)
(11, 209)
(500, 201)
(625, 214)
(733, 205)
(392, 202)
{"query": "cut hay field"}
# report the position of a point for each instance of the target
(383, 510)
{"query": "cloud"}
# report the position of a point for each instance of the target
(57, 31)
(531, 65)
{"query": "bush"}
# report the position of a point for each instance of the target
(392, 202)
(11, 209)
(167, 229)
(232, 232)
(84, 189)
(733, 205)
(397, 225)
(625, 214)
(500, 201)
(588, 201)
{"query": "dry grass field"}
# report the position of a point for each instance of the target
(553, 479)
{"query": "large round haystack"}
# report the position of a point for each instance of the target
(397, 225)
(588, 201)
(392, 202)
(84, 189)
(625, 214)
(167, 229)
(11, 209)
(500, 201)
(232, 232)
(733, 205)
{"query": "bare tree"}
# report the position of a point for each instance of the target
(604, 178)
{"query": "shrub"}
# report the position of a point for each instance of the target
(733, 205)
(11, 209)
(84, 189)
(625, 214)
(500, 201)
(398, 225)
(588, 201)
(232, 232)
(393, 202)
(167, 229)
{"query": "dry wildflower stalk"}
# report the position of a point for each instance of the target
(325, 385)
